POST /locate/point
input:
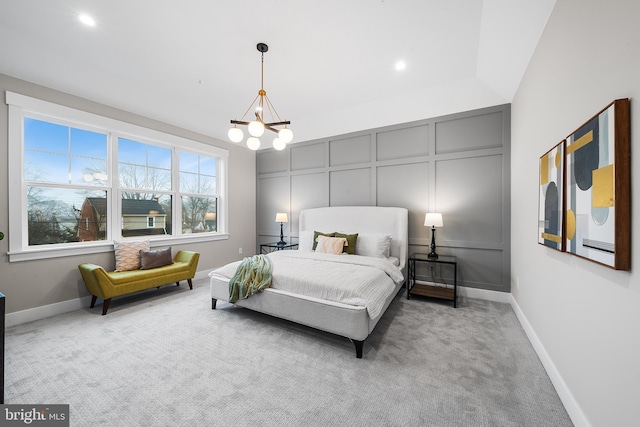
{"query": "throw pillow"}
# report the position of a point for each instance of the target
(374, 245)
(128, 253)
(315, 237)
(351, 242)
(330, 245)
(305, 240)
(155, 258)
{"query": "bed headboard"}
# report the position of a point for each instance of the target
(362, 219)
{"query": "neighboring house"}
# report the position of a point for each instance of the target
(139, 217)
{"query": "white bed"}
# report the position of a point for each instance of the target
(354, 319)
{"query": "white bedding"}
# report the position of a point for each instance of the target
(348, 279)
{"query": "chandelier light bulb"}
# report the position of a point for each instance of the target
(256, 128)
(253, 143)
(235, 134)
(285, 135)
(279, 144)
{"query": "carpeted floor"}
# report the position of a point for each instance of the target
(164, 358)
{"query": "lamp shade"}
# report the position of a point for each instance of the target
(253, 143)
(235, 134)
(433, 220)
(281, 217)
(285, 135)
(279, 144)
(256, 128)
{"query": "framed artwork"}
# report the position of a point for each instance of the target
(551, 198)
(598, 188)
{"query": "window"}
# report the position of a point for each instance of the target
(86, 180)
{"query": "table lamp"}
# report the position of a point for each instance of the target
(434, 220)
(281, 218)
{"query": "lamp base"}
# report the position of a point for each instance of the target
(433, 254)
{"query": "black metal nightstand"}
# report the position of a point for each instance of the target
(443, 292)
(266, 248)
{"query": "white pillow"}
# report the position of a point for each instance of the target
(330, 245)
(305, 240)
(374, 245)
(128, 253)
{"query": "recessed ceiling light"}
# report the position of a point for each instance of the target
(401, 65)
(87, 20)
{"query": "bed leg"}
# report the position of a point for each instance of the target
(213, 303)
(359, 345)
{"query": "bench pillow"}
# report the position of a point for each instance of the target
(128, 253)
(155, 258)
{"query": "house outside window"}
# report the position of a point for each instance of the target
(87, 180)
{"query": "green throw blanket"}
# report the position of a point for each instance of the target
(253, 275)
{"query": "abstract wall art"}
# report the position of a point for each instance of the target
(598, 188)
(551, 198)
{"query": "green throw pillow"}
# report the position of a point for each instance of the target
(351, 240)
(315, 237)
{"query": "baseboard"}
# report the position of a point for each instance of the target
(467, 292)
(574, 410)
(484, 294)
(37, 313)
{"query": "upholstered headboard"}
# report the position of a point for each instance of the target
(362, 219)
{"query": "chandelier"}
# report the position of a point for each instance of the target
(256, 127)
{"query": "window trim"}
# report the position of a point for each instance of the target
(20, 106)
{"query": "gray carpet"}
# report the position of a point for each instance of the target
(164, 358)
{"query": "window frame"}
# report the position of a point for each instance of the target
(21, 106)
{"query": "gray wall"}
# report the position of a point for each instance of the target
(33, 284)
(584, 315)
(457, 165)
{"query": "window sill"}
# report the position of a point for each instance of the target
(107, 246)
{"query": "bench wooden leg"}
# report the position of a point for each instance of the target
(105, 306)
(190, 284)
(93, 301)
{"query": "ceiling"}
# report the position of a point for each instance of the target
(330, 68)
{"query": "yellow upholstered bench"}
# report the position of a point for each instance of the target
(106, 285)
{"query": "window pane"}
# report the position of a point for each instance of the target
(45, 136)
(131, 152)
(143, 166)
(199, 214)
(88, 144)
(208, 165)
(59, 215)
(88, 171)
(46, 167)
(207, 184)
(159, 179)
(145, 214)
(197, 174)
(159, 157)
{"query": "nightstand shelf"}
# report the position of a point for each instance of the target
(442, 292)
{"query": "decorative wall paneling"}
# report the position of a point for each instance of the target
(457, 165)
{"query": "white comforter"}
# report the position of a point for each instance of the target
(349, 279)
